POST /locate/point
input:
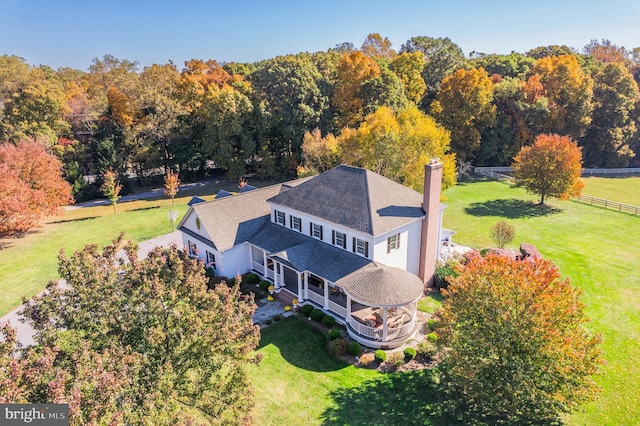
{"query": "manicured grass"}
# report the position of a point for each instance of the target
(430, 303)
(598, 249)
(27, 264)
(624, 190)
(299, 383)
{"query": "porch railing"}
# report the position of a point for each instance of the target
(314, 297)
(365, 330)
(340, 310)
(258, 267)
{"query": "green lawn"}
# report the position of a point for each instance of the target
(28, 264)
(623, 190)
(598, 249)
(299, 383)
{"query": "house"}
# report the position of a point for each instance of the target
(352, 242)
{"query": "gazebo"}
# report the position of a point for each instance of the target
(381, 305)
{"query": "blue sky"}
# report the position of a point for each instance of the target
(71, 33)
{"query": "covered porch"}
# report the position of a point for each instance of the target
(381, 305)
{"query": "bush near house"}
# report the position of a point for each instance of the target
(264, 285)
(337, 346)
(317, 314)
(328, 321)
(334, 334)
(252, 278)
(442, 272)
(306, 310)
(427, 349)
(355, 348)
(409, 354)
(380, 355)
(432, 337)
(432, 323)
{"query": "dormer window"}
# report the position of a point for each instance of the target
(280, 217)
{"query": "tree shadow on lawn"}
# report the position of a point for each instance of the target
(300, 345)
(511, 208)
(409, 398)
(80, 219)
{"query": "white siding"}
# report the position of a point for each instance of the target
(236, 260)
(407, 256)
(327, 227)
(190, 223)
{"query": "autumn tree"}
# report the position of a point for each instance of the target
(606, 51)
(408, 67)
(319, 153)
(111, 188)
(517, 347)
(171, 185)
(31, 186)
(352, 72)
(398, 145)
(569, 92)
(376, 46)
(551, 167)
(502, 233)
(464, 106)
(184, 348)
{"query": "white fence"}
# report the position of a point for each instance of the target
(486, 171)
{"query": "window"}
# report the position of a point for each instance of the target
(211, 259)
(280, 217)
(315, 230)
(295, 223)
(193, 250)
(360, 247)
(339, 239)
(393, 243)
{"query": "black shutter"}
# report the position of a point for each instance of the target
(310, 229)
(344, 241)
(354, 244)
(275, 216)
(333, 237)
(366, 249)
(388, 245)
(290, 221)
(320, 231)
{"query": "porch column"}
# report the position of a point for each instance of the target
(325, 287)
(299, 286)
(265, 274)
(384, 324)
(348, 318)
(276, 281)
(306, 286)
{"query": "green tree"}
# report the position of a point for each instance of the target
(551, 50)
(613, 123)
(464, 106)
(514, 64)
(551, 167)
(518, 350)
(383, 90)
(111, 188)
(442, 58)
(408, 66)
(191, 344)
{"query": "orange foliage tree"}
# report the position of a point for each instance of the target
(551, 167)
(518, 351)
(171, 185)
(352, 71)
(31, 186)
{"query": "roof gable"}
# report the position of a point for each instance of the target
(355, 198)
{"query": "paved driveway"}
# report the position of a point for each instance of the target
(25, 332)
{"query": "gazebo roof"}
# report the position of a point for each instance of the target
(382, 286)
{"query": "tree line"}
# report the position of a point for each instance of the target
(302, 113)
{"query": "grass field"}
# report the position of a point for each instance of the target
(623, 190)
(28, 264)
(599, 250)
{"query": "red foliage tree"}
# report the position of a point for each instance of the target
(31, 187)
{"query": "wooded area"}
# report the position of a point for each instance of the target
(372, 107)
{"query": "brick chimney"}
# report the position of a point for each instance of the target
(430, 238)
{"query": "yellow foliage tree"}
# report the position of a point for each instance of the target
(398, 146)
(352, 70)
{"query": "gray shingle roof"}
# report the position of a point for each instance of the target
(383, 286)
(355, 198)
(304, 253)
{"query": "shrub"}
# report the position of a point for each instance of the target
(306, 310)
(252, 278)
(268, 322)
(427, 349)
(441, 274)
(380, 355)
(334, 334)
(264, 285)
(337, 346)
(317, 314)
(432, 323)
(355, 348)
(502, 233)
(277, 317)
(328, 321)
(409, 354)
(432, 337)
(365, 359)
(396, 359)
(210, 272)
